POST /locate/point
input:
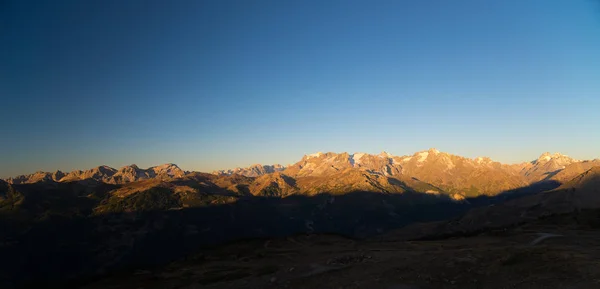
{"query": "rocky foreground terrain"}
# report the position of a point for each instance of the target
(560, 251)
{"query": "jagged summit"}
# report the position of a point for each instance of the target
(315, 155)
(481, 160)
(103, 173)
(546, 166)
(252, 171)
(452, 173)
(167, 170)
(547, 156)
(433, 151)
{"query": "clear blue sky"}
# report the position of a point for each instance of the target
(217, 84)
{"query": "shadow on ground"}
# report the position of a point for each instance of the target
(73, 249)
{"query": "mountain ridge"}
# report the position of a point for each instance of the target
(450, 174)
(103, 173)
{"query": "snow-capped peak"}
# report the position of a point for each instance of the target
(481, 160)
(385, 154)
(557, 158)
(547, 156)
(355, 158)
(422, 156)
(315, 155)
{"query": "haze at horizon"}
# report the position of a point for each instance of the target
(220, 84)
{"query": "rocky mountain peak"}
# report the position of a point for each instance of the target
(105, 169)
(252, 171)
(433, 151)
(57, 175)
(547, 156)
(166, 166)
(422, 156)
(133, 166)
(275, 184)
(483, 160)
(385, 154)
(546, 166)
(166, 170)
(315, 155)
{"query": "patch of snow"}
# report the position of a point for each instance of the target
(355, 158)
(481, 160)
(406, 159)
(309, 166)
(422, 156)
(315, 155)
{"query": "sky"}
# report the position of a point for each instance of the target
(217, 84)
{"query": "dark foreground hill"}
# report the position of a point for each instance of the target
(57, 234)
(558, 251)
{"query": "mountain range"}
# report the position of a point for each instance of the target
(426, 171)
(89, 223)
(126, 174)
(448, 173)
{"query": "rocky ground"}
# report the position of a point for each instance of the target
(555, 252)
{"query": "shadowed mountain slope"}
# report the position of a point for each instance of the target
(582, 192)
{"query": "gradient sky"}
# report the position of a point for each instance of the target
(217, 84)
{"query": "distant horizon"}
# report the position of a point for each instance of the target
(288, 164)
(214, 85)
